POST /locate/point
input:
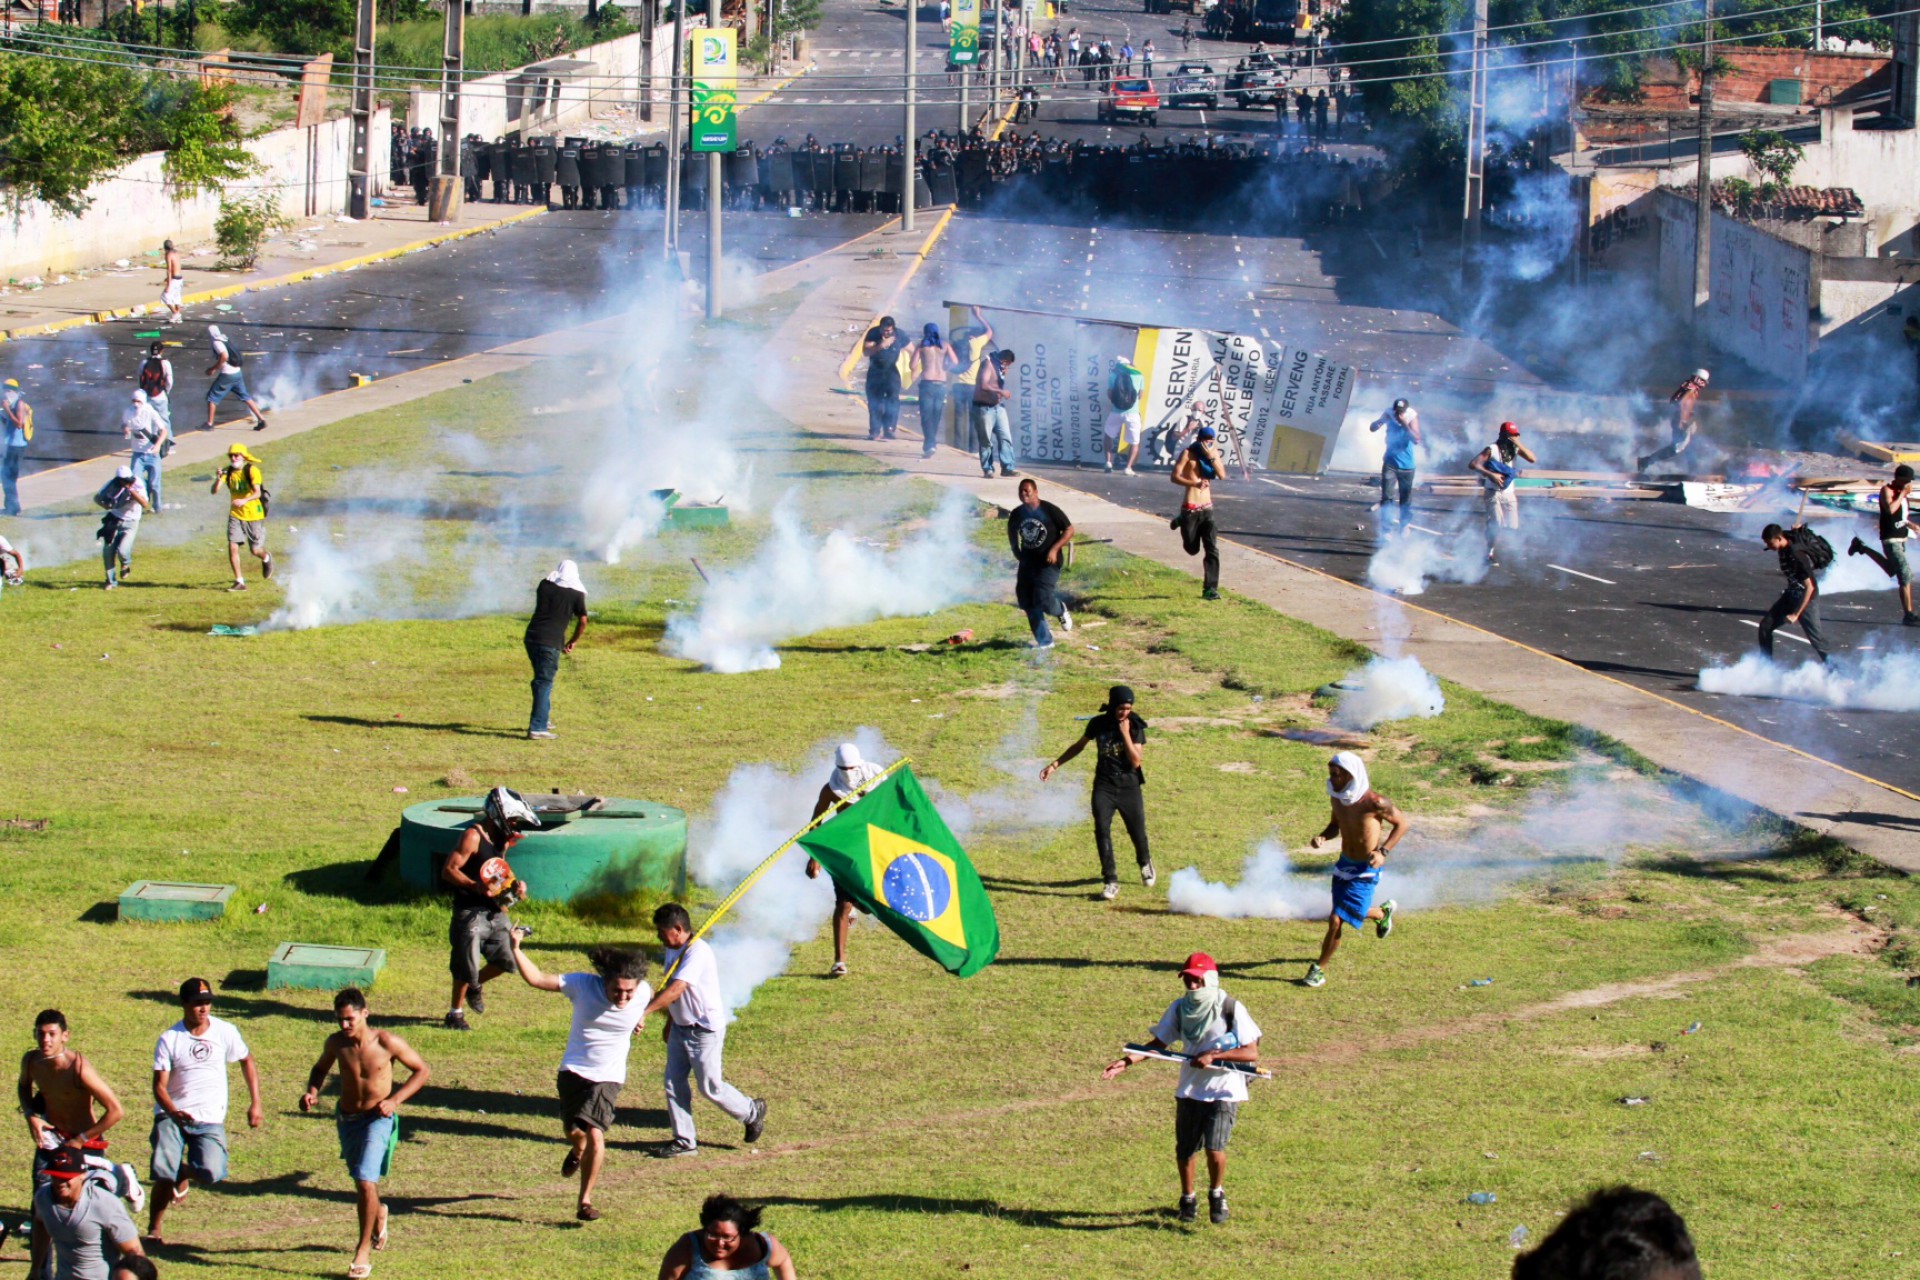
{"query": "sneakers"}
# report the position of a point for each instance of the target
(259, 422)
(456, 1021)
(126, 570)
(1910, 620)
(266, 567)
(1216, 1206)
(542, 735)
(1856, 547)
(1066, 619)
(1189, 1208)
(135, 1194)
(1316, 976)
(1047, 645)
(238, 585)
(1210, 594)
(587, 1213)
(1109, 891)
(571, 1165)
(1385, 926)
(839, 969)
(476, 999)
(673, 1150)
(756, 1121)
(111, 584)
(1147, 875)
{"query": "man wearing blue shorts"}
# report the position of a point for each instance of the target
(1359, 813)
(368, 1127)
(190, 1063)
(228, 379)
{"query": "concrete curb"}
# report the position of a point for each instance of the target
(272, 282)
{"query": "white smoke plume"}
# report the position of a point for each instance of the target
(1406, 563)
(1598, 821)
(1388, 689)
(1851, 573)
(329, 582)
(1021, 803)
(799, 583)
(1852, 682)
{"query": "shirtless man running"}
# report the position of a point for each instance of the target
(58, 1090)
(366, 1120)
(1358, 814)
(1195, 471)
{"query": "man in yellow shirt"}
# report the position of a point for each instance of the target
(247, 516)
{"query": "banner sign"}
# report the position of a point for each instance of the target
(1275, 407)
(964, 47)
(716, 76)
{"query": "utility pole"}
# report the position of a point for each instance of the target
(1703, 201)
(359, 192)
(963, 102)
(716, 187)
(910, 160)
(670, 224)
(444, 206)
(1476, 139)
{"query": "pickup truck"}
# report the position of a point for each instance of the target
(1193, 84)
(1257, 81)
(1130, 99)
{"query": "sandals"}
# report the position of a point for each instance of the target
(359, 1271)
(380, 1231)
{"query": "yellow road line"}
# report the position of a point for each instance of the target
(919, 260)
(273, 282)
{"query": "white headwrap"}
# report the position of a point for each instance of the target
(1356, 770)
(213, 331)
(568, 576)
(850, 772)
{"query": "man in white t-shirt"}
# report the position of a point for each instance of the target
(609, 1006)
(190, 1100)
(13, 565)
(696, 1033)
(1211, 1027)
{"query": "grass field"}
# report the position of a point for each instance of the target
(921, 1126)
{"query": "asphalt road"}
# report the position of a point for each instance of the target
(533, 277)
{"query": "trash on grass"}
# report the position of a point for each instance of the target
(222, 629)
(1482, 1197)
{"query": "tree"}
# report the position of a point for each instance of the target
(243, 223)
(194, 126)
(59, 133)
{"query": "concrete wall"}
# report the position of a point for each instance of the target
(133, 211)
(496, 105)
(1760, 287)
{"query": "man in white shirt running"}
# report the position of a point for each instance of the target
(1211, 1027)
(609, 1007)
(696, 1033)
(190, 1100)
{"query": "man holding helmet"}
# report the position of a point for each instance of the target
(480, 935)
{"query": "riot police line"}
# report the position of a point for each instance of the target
(1295, 180)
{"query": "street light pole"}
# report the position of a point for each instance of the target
(670, 224)
(716, 187)
(910, 147)
(1703, 197)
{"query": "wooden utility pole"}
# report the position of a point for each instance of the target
(443, 205)
(1703, 202)
(359, 166)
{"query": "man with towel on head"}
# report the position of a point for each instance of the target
(850, 774)
(1358, 814)
(559, 597)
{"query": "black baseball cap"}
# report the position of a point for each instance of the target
(1119, 696)
(196, 991)
(65, 1162)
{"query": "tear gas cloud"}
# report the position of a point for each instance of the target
(799, 583)
(1388, 689)
(1598, 821)
(329, 583)
(1021, 803)
(1870, 681)
(1406, 563)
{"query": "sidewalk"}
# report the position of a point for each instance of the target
(313, 247)
(1873, 817)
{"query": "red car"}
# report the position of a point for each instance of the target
(1130, 99)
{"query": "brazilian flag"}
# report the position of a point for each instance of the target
(891, 853)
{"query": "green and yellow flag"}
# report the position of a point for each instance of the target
(892, 854)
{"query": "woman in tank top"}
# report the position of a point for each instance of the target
(729, 1243)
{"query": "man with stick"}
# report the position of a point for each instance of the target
(1358, 814)
(850, 776)
(609, 1006)
(696, 1034)
(1213, 1028)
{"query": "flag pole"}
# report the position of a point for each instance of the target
(740, 890)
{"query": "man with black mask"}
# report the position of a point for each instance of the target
(1119, 737)
(480, 934)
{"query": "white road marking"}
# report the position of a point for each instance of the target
(1420, 528)
(1276, 484)
(1783, 633)
(1376, 245)
(1589, 577)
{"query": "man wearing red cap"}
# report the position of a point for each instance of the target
(1211, 1027)
(81, 1218)
(1498, 468)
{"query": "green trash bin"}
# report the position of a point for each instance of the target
(586, 847)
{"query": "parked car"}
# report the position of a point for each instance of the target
(1193, 84)
(1256, 81)
(1132, 100)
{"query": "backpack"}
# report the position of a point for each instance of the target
(109, 494)
(153, 377)
(26, 421)
(1123, 391)
(235, 359)
(1818, 550)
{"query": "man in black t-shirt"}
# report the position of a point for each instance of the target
(1119, 738)
(479, 937)
(882, 348)
(1800, 602)
(1038, 532)
(559, 598)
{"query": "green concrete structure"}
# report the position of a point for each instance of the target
(691, 515)
(171, 900)
(586, 847)
(305, 966)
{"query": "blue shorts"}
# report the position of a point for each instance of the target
(367, 1141)
(197, 1151)
(1354, 884)
(226, 384)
